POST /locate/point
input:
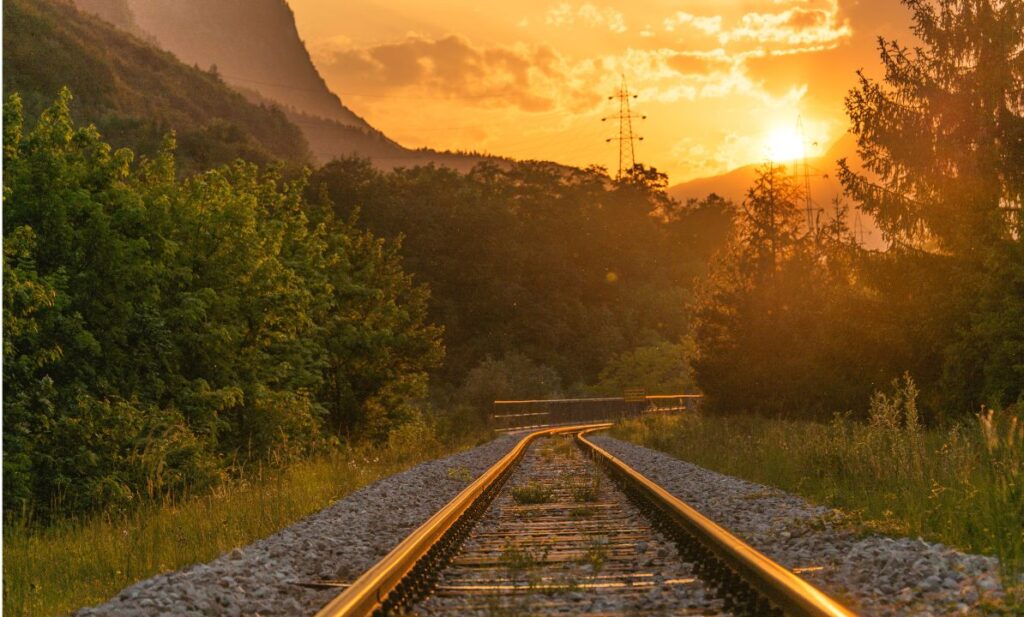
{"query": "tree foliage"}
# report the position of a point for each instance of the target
(776, 322)
(943, 136)
(158, 332)
(801, 321)
(663, 368)
(563, 266)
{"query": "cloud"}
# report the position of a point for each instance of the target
(564, 14)
(805, 23)
(537, 78)
(795, 26)
(689, 63)
(448, 67)
(707, 25)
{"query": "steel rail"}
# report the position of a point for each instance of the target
(792, 594)
(369, 591)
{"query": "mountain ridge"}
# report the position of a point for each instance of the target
(134, 92)
(261, 55)
(733, 184)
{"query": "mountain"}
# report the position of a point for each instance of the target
(733, 185)
(134, 92)
(824, 182)
(254, 45)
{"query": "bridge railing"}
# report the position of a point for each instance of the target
(523, 414)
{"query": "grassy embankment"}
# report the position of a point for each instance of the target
(963, 486)
(57, 569)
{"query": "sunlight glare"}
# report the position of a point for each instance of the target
(784, 145)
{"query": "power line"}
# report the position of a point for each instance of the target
(627, 140)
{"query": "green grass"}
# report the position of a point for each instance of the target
(963, 486)
(582, 512)
(587, 489)
(518, 559)
(531, 493)
(61, 568)
(595, 555)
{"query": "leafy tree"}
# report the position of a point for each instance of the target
(779, 322)
(941, 131)
(564, 266)
(772, 231)
(514, 377)
(84, 347)
(159, 333)
(940, 138)
(663, 368)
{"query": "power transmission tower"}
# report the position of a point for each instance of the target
(626, 138)
(812, 224)
(858, 229)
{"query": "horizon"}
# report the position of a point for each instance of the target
(739, 85)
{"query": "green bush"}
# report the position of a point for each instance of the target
(663, 368)
(161, 333)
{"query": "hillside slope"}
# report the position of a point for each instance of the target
(134, 92)
(255, 47)
(265, 54)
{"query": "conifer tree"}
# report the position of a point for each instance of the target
(941, 136)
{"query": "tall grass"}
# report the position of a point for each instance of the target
(963, 486)
(55, 570)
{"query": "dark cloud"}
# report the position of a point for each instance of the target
(805, 19)
(690, 64)
(449, 67)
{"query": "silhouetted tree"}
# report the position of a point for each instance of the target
(941, 136)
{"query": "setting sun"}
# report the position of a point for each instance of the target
(784, 144)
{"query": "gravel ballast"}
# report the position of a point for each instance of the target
(875, 575)
(337, 543)
(567, 552)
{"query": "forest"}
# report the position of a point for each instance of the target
(170, 318)
(797, 321)
(161, 332)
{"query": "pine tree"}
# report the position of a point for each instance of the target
(943, 131)
(941, 136)
(771, 221)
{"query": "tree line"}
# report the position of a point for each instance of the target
(160, 332)
(798, 320)
(562, 266)
(164, 330)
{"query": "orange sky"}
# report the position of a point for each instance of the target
(722, 83)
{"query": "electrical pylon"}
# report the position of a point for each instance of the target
(806, 172)
(858, 229)
(626, 138)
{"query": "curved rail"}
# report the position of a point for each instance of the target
(370, 592)
(792, 594)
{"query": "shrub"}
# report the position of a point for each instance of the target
(963, 486)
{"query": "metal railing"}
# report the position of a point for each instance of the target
(536, 413)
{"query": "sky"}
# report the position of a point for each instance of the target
(722, 83)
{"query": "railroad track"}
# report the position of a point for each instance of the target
(559, 526)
